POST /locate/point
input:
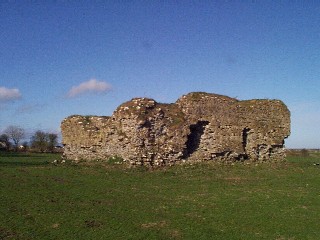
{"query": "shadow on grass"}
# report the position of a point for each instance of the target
(15, 159)
(21, 155)
(8, 163)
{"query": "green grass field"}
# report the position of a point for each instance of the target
(40, 200)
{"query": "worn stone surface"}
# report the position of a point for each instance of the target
(198, 127)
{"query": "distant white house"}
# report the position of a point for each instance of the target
(3, 145)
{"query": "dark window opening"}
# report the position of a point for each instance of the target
(245, 134)
(194, 138)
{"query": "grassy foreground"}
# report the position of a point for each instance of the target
(40, 200)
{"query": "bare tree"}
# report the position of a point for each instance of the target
(16, 134)
(5, 138)
(42, 141)
(52, 141)
(39, 141)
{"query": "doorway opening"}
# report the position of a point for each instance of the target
(194, 138)
(245, 133)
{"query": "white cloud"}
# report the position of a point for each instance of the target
(91, 86)
(7, 94)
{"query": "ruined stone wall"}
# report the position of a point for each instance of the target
(252, 129)
(198, 127)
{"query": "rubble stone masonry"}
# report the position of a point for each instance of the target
(198, 127)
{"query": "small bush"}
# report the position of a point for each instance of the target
(304, 152)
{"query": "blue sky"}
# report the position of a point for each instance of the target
(60, 58)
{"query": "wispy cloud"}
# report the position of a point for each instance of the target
(7, 94)
(91, 86)
(29, 108)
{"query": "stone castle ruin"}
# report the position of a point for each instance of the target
(197, 127)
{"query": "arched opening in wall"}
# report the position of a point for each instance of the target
(245, 134)
(194, 138)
